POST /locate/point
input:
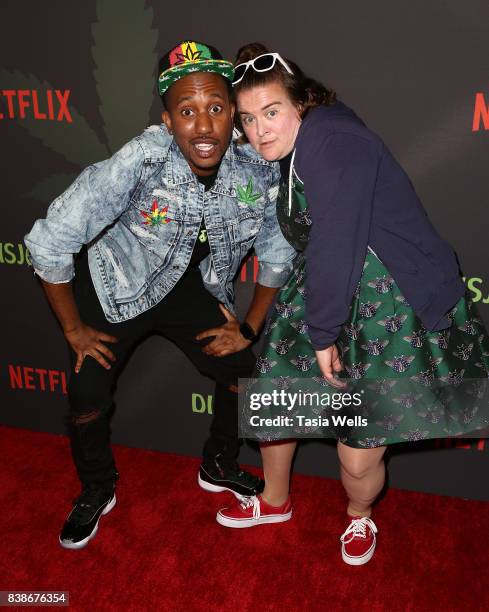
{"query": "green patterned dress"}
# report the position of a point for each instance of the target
(414, 384)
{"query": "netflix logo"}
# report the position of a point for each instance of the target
(475, 444)
(481, 113)
(50, 105)
(37, 379)
(249, 270)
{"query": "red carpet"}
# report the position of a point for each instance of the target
(161, 549)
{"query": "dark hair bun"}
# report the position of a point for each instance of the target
(249, 52)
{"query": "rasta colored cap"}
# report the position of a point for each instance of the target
(191, 56)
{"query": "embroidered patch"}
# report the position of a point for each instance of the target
(157, 215)
(246, 195)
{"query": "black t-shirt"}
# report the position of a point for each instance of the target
(201, 248)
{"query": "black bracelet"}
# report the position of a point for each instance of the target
(247, 332)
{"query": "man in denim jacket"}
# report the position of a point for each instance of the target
(167, 221)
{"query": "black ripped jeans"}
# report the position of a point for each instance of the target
(187, 310)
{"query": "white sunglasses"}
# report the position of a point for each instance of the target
(262, 63)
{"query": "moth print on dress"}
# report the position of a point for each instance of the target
(425, 378)
(368, 309)
(480, 339)
(441, 340)
(469, 327)
(414, 435)
(373, 442)
(303, 218)
(432, 414)
(393, 323)
(382, 284)
(382, 386)
(353, 330)
(286, 310)
(435, 362)
(466, 416)
(375, 347)
(301, 291)
(454, 378)
(283, 382)
(264, 365)
(357, 370)
(451, 314)
(407, 400)
(299, 275)
(300, 327)
(271, 324)
(402, 300)
(320, 380)
(416, 339)
(282, 347)
(401, 363)
(482, 366)
(477, 388)
(303, 363)
(390, 422)
(464, 351)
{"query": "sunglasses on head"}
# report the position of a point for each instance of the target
(262, 63)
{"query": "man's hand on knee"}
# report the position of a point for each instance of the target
(85, 340)
(227, 338)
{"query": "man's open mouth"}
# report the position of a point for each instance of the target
(205, 148)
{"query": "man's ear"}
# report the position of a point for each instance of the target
(233, 110)
(167, 121)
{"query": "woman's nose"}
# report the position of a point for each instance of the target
(260, 128)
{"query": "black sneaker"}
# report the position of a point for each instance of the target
(216, 477)
(82, 522)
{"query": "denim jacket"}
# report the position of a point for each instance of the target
(140, 212)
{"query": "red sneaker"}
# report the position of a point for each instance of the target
(358, 541)
(253, 511)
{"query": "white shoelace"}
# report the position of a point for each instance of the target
(252, 501)
(357, 529)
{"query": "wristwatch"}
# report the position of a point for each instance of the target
(247, 332)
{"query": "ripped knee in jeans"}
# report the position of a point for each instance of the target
(88, 417)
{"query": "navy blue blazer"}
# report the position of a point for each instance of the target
(359, 196)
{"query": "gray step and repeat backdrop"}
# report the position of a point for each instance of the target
(77, 81)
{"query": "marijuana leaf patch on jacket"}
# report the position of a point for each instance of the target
(246, 195)
(157, 215)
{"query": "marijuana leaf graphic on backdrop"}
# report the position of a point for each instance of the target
(246, 195)
(123, 50)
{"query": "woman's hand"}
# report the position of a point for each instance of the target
(85, 340)
(329, 363)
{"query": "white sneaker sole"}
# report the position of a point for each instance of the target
(242, 523)
(83, 543)
(211, 488)
(359, 560)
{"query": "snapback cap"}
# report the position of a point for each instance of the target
(191, 56)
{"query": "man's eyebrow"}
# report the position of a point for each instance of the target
(243, 112)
